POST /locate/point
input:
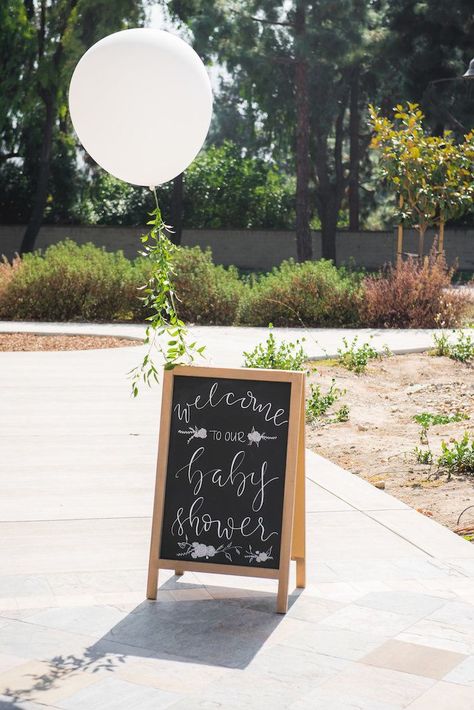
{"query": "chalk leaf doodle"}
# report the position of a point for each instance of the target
(255, 437)
(199, 549)
(195, 433)
(258, 556)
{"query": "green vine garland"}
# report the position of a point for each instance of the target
(159, 299)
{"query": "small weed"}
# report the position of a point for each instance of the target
(342, 414)
(426, 419)
(462, 349)
(459, 457)
(356, 358)
(318, 402)
(423, 456)
(271, 356)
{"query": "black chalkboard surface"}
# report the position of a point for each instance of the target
(226, 471)
(229, 493)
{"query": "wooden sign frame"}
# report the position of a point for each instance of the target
(293, 530)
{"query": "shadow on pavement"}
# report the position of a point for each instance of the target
(216, 632)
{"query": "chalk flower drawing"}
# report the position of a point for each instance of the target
(258, 556)
(195, 433)
(255, 437)
(198, 550)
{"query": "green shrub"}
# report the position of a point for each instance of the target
(207, 293)
(68, 282)
(312, 294)
(462, 349)
(356, 358)
(270, 356)
(319, 402)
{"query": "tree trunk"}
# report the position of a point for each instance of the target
(41, 192)
(354, 156)
(328, 215)
(304, 247)
(177, 209)
(421, 241)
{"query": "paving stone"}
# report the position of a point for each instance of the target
(413, 658)
(443, 696)
(463, 673)
(402, 602)
(119, 695)
(366, 685)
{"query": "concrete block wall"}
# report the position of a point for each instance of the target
(253, 249)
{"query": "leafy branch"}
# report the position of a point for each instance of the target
(159, 300)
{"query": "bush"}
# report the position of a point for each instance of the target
(270, 356)
(412, 295)
(311, 294)
(72, 282)
(68, 282)
(207, 294)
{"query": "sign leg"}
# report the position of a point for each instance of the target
(298, 547)
(152, 586)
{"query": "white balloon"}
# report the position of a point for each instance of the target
(141, 103)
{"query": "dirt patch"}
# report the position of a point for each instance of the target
(32, 341)
(378, 440)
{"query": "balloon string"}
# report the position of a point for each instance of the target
(153, 189)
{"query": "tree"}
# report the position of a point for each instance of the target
(294, 66)
(433, 175)
(48, 38)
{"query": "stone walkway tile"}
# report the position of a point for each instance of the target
(24, 585)
(456, 614)
(463, 673)
(367, 684)
(31, 641)
(343, 592)
(312, 609)
(171, 675)
(333, 641)
(321, 698)
(7, 703)
(319, 500)
(429, 632)
(359, 618)
(401, 602)
(190, 594)
(8, 661)
(464, 565)
(259, 692)
(413, 658)
(293, 665)
(445, 696)
(44, 682)
(119, 695)
(368, 540)
(88, 621)
(429, 535)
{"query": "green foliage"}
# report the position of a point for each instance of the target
(313, 294)
(68, 282)
(423, 456)
(159, 301)
(206, 293)
(356, 358)
(271, 355)
(318, 402)
(225, 189)
(342, 414)
(427, 419)
(462, 349)
(433, 174)
(459, 457)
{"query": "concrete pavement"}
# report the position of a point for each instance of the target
(386, 621)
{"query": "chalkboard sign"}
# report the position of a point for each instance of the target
(231, 451)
